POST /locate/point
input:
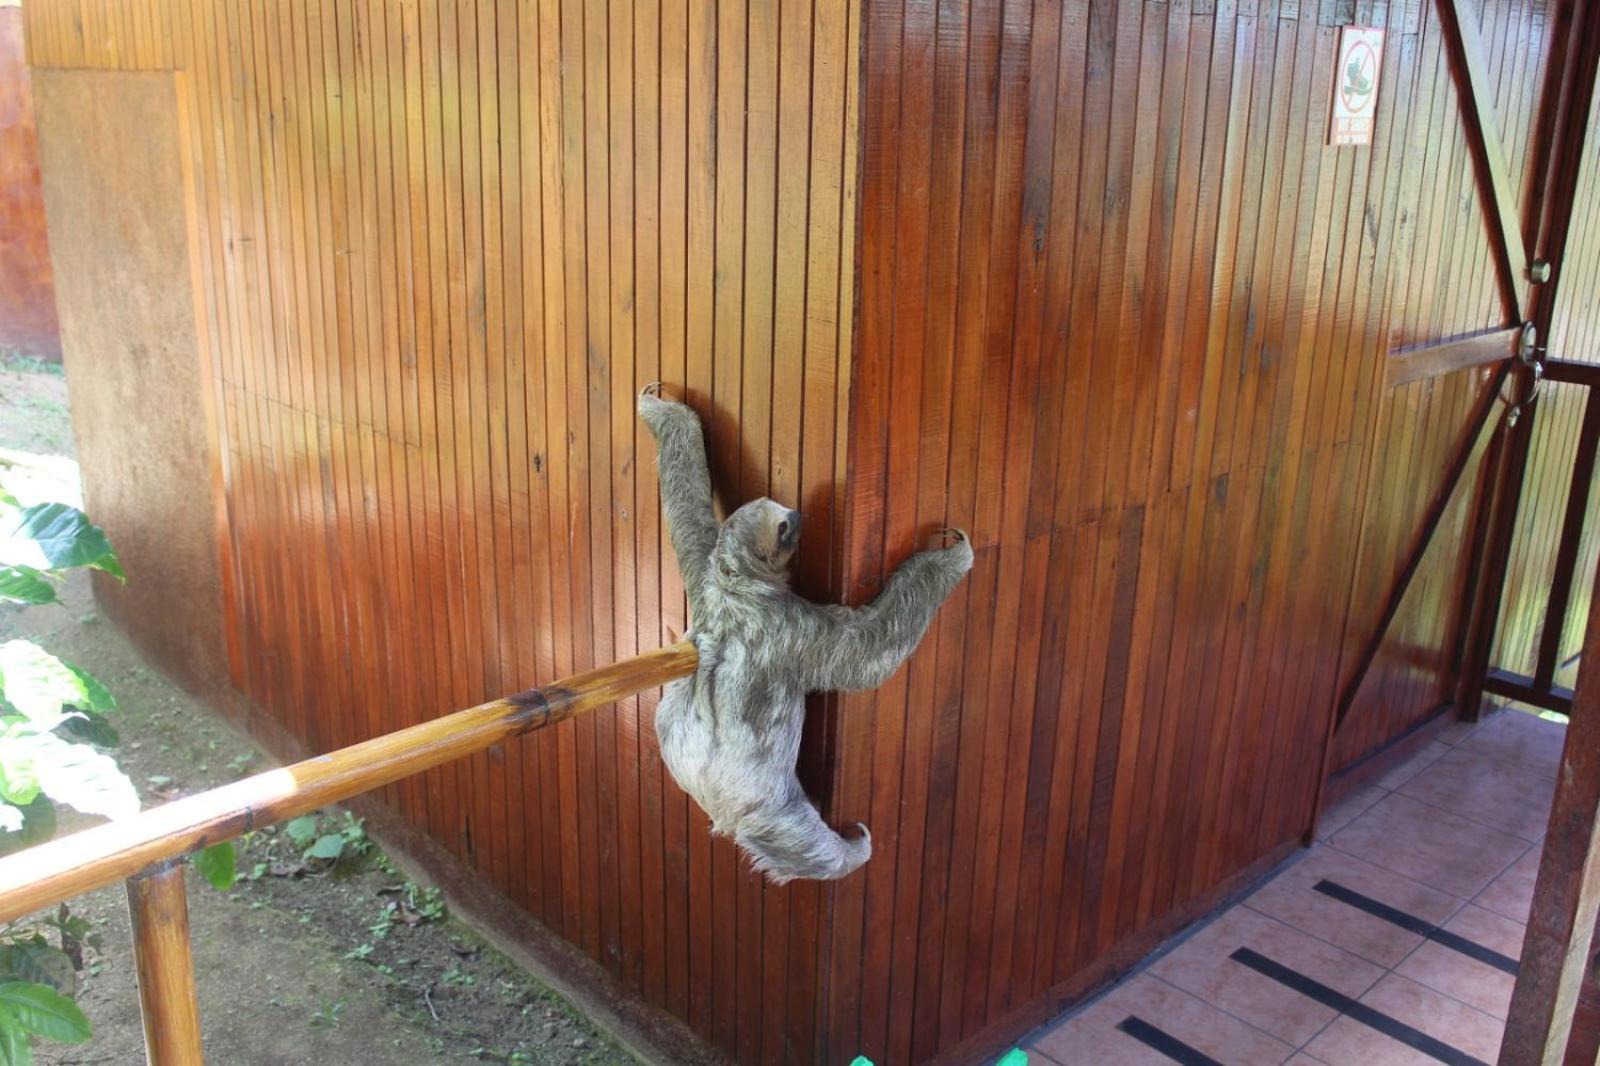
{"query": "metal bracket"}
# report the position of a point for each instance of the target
(1528, 345)
(1528, 356)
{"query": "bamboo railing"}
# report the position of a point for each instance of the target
(143, 849)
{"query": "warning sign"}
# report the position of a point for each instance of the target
(1355, 85)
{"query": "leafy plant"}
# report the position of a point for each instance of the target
(349, 838)
(55, 738)
(329, 1015)
(53, 729)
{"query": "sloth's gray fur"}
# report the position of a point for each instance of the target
(730, 734)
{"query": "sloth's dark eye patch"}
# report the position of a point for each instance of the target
(783, 530)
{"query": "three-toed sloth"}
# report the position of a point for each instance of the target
(730, 733)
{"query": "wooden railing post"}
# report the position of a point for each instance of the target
(160, 914)
(1558, 951)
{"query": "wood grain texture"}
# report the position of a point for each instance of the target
(1126, 318)
(440, 246)
(159, 914)
(1557, 958)
(1079, 276)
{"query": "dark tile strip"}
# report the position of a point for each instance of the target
(1336, 1000)
(1453, 941)
(1165, 1043)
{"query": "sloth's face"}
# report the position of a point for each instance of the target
(760, 539)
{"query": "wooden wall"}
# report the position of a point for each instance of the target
(442, 246)
(1079, 276)
(1127, 319)
(27, 297)
(1422, 424)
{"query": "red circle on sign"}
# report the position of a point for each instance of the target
(1362, 56)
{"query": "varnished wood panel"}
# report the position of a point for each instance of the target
(1126, 318)
(440, 247)
(1081, 277)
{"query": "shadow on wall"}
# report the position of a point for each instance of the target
(27, 292)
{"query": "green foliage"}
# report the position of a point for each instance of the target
(306, 833)
(17, 363)
(55, 536)
(329, 1015)
(33, 959)
(219, 865)
(302, 830)
(24, 584)
(30, 1009)
(330, 846)
(54, 738)
(53, 734)
(41, 1010)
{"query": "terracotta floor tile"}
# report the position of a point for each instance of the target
(1440, 1017)
(1437, 847)
(1291, 898)
(1455, 732)
(1348, 809)
(1520, 737)
(1459, 977)
(1092, 1036)
(1453, 843)
(1349, 1043)
(1202, 966)
(1511, 894)
(1510, 796)
(1463, 1028)
(1414, 765)
(1492, 930)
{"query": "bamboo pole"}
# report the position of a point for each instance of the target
(72, 865)
(160, 914)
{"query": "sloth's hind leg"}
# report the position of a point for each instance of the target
(789, 840)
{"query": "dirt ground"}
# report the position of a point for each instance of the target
(303, 961)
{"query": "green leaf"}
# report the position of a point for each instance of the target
(302, 829)
(14, 1047)
(38, 684)
(19, 777)
(96, 697)
(217, 865)
(41, 1009)
(24, 584)
(8, 500)
(54, 536)
(38, 825)
(34, 960)
(89, 728)
(328, 847)
(74, 774)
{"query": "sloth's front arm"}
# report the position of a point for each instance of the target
(861, 647)
(685, 489)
